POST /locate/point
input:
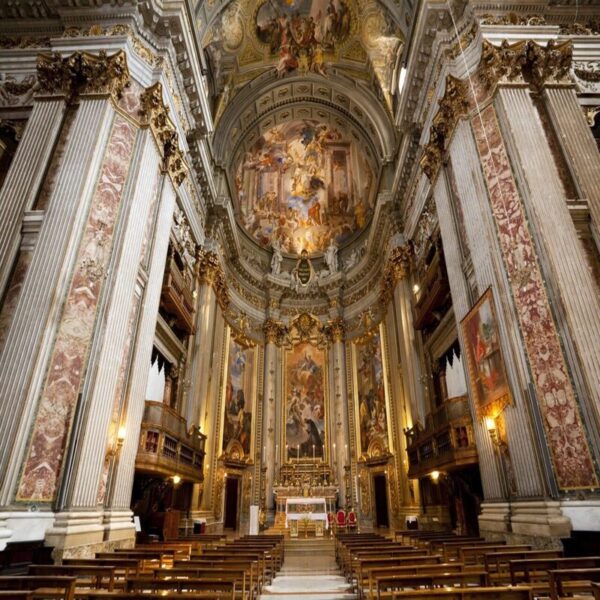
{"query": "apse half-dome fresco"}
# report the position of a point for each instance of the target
(303, 185)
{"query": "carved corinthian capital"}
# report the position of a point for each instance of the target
(211, 273)
(336, 330)
(274, 331)
(156, 114)
(396, 269)
(83, 73)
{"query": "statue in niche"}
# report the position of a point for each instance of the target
(276, 259)
(331, 257)
(303, 272)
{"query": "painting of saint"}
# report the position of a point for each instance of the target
(239, 394)
(305, 401)
(304, 184)
(371, 396)
(484, 358)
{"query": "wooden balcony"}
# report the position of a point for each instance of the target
(177, 298)
(447, 442)
(166, 447)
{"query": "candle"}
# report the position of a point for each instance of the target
(264, 453)
(298, 452)
(313, 452)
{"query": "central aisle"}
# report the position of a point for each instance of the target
(309, 572)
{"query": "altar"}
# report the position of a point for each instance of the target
(306, 510)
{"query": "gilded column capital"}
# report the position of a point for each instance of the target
(156, 114)
(83, 73)
(551, 64)
(336, 330)
(210, 273)
(274, 331)
(452, 106)
(397, 268)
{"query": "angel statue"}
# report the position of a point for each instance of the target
(331, 257)
(276, 259)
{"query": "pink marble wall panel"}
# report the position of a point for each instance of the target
(68, 363)
(130, 101)
(12, 294)
(564, 430)
(150, 221)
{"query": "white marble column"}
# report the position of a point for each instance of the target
(562, 257)
(92, 429)
(269, 416)
(30, 337)
(26, 175)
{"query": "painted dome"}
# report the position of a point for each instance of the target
(303, 185)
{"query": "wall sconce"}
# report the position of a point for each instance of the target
(435, 475)
(121, 436)
(176, 479)
(490, 425)
(416, 289)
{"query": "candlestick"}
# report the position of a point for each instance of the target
(298, 452)
(264, 453)
(313, 452)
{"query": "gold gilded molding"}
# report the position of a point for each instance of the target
(396, 269)
(156, 114)
(83, 73)
(210, 272)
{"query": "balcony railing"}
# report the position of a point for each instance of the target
(177, 297)
(167, 447)
(446, 442)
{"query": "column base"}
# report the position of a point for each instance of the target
(82, 534)
(539, 523)
(24, 526)
(584, 514)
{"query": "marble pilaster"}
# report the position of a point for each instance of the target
(342, 431)
(26, 175)
(269, 418)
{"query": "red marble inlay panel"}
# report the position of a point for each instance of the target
(67, 366)
(564, 430)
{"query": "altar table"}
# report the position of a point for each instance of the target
(313, 509)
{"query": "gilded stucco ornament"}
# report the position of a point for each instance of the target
(211, 273)
(524, 62)
(156, 114)
(396, 269)
(83, 73)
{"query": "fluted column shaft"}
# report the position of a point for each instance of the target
(25, 176)
(269, 419)
(342, 431)
(578, 144)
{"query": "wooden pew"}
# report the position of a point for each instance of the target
(123, 567)
(387, 584)
(54, 587)
(476, 553)
(121, 595)
(479, 593)
(361, 570)
(100, 577)
(536, 569)
(373, 573)
(146, 557)
(451, 548)
(157, 586)
(566, 582)
(596, 590)
(498, 567)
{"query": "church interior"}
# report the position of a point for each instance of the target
(300, 298)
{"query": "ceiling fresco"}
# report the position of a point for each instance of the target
(303, 185)
(250, 37)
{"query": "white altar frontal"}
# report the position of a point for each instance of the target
(306, 510)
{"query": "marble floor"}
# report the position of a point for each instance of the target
(309, 572)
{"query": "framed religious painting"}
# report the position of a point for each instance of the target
(239, 393)
(487, 373)
(305, 386)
